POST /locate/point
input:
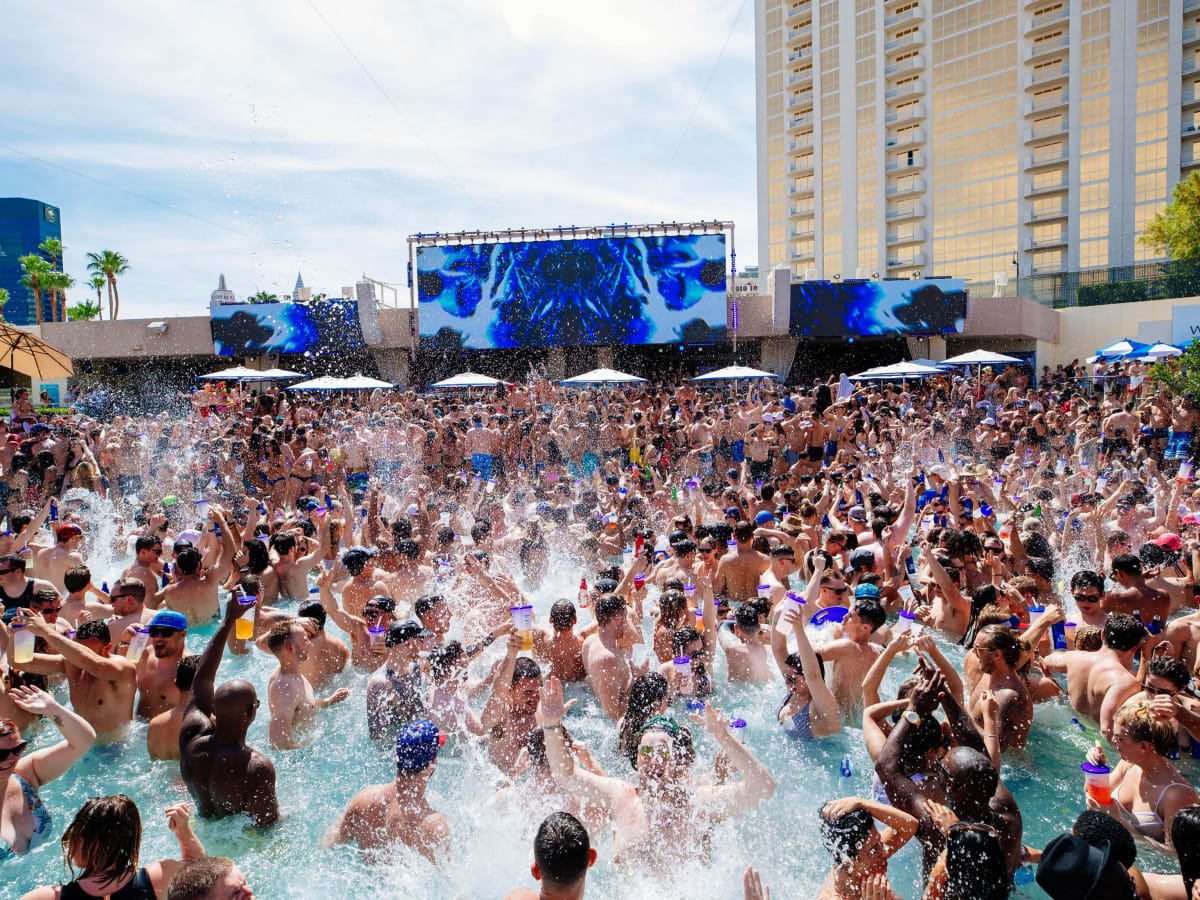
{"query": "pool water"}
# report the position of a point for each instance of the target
(492, 836)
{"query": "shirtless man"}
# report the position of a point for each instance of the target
(738, 573)
(289, 694)
(292, 568)
(562, 855)
(1000, 703)
(382, 815)
(606, 665)
(558, 645)
(664, 813)
(508, 714)
(853, 653)
(102, 686)
(1117, 432)
(225, 776)
(480, 445)
(395, 694)
(78, 582)
(52, 564)
(746, 657)
(1134, 595)
(195, 592)
(364, 581)
(1184, 635)
(128, 606)
(327, 655)
(1098, 683)
(156, 670)
(146, 566)
(162, 735)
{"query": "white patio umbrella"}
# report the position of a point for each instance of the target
(1161, 351)
(932, 363)
(468, 380)
(278, 374)
(1121, 349)
(603, 376)
(731, 372)
(981, 358)
(324, 383)
(234, 373)
(900, 370)
(360, 382)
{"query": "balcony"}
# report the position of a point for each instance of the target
(906, 262)
(911, 236)
(912, 39)
(1190, 5)
(805, 189)
(905, 211)
(1047, 47)
(1189, 65)
(800, 99)
(913, 161)
(801, 142)
(906, 138)
(1049, 20)
(1047, 215)
(1049, 267)
(1047, 187)
(1189, 158)
(801, 210)
(1189, 129)
(1046, 128)
(905, 187)
(904, 66)
(1043, 102)
(913, 88)
(800, 233)
(916, 14)
(798, 59)
(1191, 34)
(1046, 241)
(1189, 95)
(800, 34)
(1048, 75)
(800, 12)
(905, 114)
(1051, 156)
(801, 77)
(802, 166)
(799, 123)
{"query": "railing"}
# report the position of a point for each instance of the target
(895, 165)
(1099, 287)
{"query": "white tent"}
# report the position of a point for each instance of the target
(900, 370)
(603, 376)
(360, 382)
(236, 373)
(324, 383)
(278, 374)
(731, 372)
(981, 358)
(468, 380)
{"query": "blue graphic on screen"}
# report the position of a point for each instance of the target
(864, 308)
(326, 326)
(631, 290)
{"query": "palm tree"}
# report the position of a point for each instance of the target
(110, 264)
(84, 311)
(53, 248)
(37, 273)
(3, 301)
(264, 297)
(58, 283)
(96, 282)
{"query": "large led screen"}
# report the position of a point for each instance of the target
(326, 326)
(630, 290)
(864, 308)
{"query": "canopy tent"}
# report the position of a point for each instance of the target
(900, 370)
(277, 374)
(731, 372)
(468, 380)
(603, 376)
(1122, 349)
(30, 355)
(981, 358)
(324, 383)
(235, 373)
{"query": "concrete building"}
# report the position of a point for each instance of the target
(966, 138)
(24, 224)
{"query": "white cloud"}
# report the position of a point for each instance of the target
(511, 113)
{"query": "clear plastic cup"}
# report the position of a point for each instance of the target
(795, 602)
(243, 628)
(1035, 613)
(202, 510)
(1185, 471)
(137, 645)
(689, 591)
(737, 727)
(683, 674)
(522, 618)
(906, 623)
(23, 641)
(699, 619)
(376, 634)
(1096, 783)
(639, 581)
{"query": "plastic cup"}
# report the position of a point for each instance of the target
(639, 581)
(699, 619)
(376, 633)
(737, 727)
(683, 672)
(243, 628)
(522, 617)
(907, 621)
(1096, 783)
(764, 592)
(1035, 613)
(137, 646)
(1101, 483)
(1185, 471)
(201, 510)
(689, 591)
(23, 641)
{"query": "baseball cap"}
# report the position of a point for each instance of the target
(68, 531)
(862, 558)
(408, 630)
(866, 591)
(169, 619)
(1168, 541)
(1191, 519)
(858, 514)
(764, 517)
(417, 745)
(989, 421)
(733, 513)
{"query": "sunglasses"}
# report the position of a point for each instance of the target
(704, 552)
(162, 631)
(13, 751)
(46, 610)
(8, 571)
(833, 590)
(660, 750)
(369, 613)
(977, 827)
(1086, 598)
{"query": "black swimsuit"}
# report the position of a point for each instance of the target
(140, 888)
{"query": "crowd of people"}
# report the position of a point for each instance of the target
(1001, 544)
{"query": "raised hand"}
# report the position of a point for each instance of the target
(835, 809)
(754, 889)
(178, 817)
(33, 700)
(943, 817)
(551, 708)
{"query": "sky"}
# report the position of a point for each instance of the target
(262, 139)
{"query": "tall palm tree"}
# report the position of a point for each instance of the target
(3, 301)
(110, 264)
(96, 283)
(37, 273)
(264, 297)
(58, 284)
(53, 248)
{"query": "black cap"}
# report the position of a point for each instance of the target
(408, 630)
(382, 601)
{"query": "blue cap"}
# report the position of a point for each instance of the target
(869, 591)
(789, 404)
(170, 619)
(417, 745)
(763, 518)
(733, 513)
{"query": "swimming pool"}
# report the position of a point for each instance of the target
(492, 837)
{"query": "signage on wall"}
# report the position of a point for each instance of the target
(1185, 324)
(50, 214)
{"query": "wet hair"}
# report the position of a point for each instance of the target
(1041, 566)
(1087, 578)
(442, 660)
(976, 866)
(646, 692)
(1094, 826)
(563, 616)
(8, 728)
(77, 578)
(844, 836)
(609, 607)
(1088, 638)
(131, 585)
(425, 604)
(283, 543)
(408, 548)
(561, 850)
(793, 660)
(257, 556)
(280, 634)
(681, 637)
(1172, 669)
(679, 735)
(312, 609)
(1122, 632)
(93, 630)
(144, 542)
(189, 561)
(1141, 724)
(198, 877)
(106, 835)
(1185, 837)
(355, 563)
(743, 531)
(870, 611)
(525, 667)
(1001, 638)
(983, 596)
(44, 596)
(1127, 563)
(185, 671)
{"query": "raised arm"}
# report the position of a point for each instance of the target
(43, 766)
(108, 668)
(497, 701)
(203, 683)
(600, 789)
(756, 784)
(825, 715)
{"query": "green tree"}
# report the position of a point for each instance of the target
(1176, 230)
(1182, 373)
(37, 273)
(97, 283)
(58, 283)
(84, 311)
(3, 301)
(263, 297)
(110, 264)
(53, 248)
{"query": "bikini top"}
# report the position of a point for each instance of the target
(1148, 824)
(42, 820)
